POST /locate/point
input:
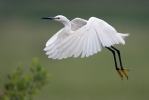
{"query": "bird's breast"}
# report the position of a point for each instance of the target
(68, 31)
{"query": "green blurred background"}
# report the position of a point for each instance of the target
(23, 36)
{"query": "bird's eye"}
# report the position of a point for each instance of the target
(58, 18)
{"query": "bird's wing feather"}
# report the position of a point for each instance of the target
(77, 23)
(55, 37)
(51, 45)
(87, 40)
(82, 41)
(106, 33)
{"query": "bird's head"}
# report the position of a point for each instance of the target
(59, 18)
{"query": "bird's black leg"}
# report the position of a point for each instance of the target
(118, 70)
(114, 57)
(122, 69)
(119, 55)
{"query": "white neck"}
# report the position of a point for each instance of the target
(67, 27)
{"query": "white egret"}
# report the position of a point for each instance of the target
(84, 37)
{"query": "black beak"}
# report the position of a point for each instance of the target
(50, 18)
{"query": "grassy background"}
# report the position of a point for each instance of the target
(23, 36)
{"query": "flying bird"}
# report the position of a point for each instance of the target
(85, 38)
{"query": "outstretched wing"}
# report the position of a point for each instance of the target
(87, 40)
(106, 33)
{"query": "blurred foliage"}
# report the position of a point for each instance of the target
(22, 86)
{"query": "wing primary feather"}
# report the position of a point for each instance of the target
(53, 54)
(51, 50)
(95, 47)
(80, 46)
(98, 40)
(85, 45)
(88, 45)
(75, 45)
(49, 46)
(91, 47)
(66, 44)
(98, 43)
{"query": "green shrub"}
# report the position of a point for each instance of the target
(22, 86)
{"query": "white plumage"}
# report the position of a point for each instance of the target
(81, 37)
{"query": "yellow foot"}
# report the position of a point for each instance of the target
(120, 71)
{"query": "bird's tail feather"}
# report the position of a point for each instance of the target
(124, 35)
